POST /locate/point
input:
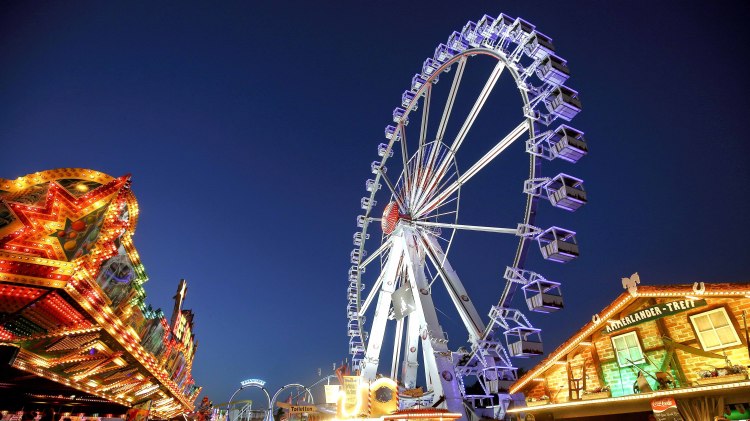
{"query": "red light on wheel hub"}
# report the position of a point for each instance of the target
(390, 218)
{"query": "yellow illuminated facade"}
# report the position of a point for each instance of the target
(359, 399)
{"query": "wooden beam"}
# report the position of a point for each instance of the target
(583, 375)
(597, 364)
(570, 379)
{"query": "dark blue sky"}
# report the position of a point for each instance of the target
(249, 128)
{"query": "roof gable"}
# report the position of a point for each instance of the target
(599, 321)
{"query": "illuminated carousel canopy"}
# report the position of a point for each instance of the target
(72, 301)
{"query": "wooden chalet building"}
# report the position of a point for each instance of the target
(686, 344)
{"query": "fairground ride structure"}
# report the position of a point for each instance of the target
(420, 217)
(72, 302)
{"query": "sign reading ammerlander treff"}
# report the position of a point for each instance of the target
(652, 313)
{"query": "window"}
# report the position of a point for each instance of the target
(715, 330)
(628, 349)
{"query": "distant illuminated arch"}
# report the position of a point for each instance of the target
(260, 384)
(289, 386)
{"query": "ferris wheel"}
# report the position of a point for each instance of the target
(410, 215)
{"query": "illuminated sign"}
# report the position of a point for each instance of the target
(665, 409)
(652, 313)
(403, 302)
(301, 409)
(359, 399)
(253, 382)
(352, 402)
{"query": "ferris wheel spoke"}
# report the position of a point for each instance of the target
(417, 171)
(425, 118)
(513, 231)
(416, 174)
(429, 194)
(404, 157)
(437, 209)
(432, 158)
(446, 180)
(475, 109)
(478, 104)
(423, 170)
(511, 137)
(469, 315)
(436, 235)
(437, 215)
(386, 244)
(451, 98)
(392, 188)
(433, 178)
(474, 169)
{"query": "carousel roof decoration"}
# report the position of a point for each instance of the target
(71, 293)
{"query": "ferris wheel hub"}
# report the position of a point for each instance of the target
(391, 216)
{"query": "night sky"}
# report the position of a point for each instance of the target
(249, 129)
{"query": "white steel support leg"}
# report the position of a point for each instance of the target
(411, 347)
(397, 348)
(428, 356)
(428, 323)
(375, 342)
(441, 369)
